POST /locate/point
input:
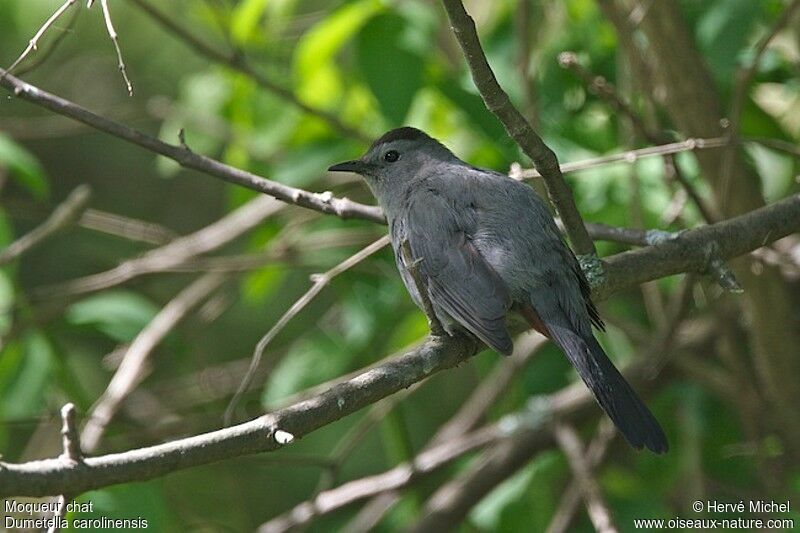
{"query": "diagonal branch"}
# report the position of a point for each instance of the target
(33, 44)
(324, 202)
(133, 367)
(176, 252)
(112, 34)
(320, 281)
(266, 433)
(570, 443)
(497, 101)
(64, 215)
(53, 476)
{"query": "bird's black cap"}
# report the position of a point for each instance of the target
(406, 133)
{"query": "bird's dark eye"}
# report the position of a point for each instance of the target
(391, 156)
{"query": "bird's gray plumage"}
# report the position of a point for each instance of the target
(488, 245)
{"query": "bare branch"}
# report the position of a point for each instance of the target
(134, 363)
(52, 476)
(600, 86)
(112, 34)
(685, 253)
(518, 128)
(631, 156)
(319, 282)
(562, 517)
(34, 42)
(323, 202)
(176, 252)
(688, 252)
(570, 444)
(63, 216)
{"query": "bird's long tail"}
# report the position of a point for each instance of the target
(633, 419)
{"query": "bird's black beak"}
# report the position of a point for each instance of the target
(356, 165)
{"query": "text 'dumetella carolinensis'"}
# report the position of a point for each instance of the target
(488, 245)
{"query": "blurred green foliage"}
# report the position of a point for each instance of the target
(375, 65)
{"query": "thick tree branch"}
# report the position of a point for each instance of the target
(497, 101)
(685, 253)
(133, 367)
(323, 202)
(691, 251)
(54, 476)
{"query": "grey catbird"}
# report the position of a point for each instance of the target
(487, 245)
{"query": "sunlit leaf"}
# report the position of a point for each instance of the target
(318, 80)
(24, 166)
(245, 20)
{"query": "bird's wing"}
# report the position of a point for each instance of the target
(458, 278)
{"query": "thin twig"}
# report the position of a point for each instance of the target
(571, 499)
(62, 217)
(319, 282)
(603, 88)
(412, 265)
(71, 445)
(175, 253)
(497, 101)
(132, 369)
(598, 510)
(733, 237)
(112, 34)
(472, 411)
(34, 42)
(51, 48)
(630, 156)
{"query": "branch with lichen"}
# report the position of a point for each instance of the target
(269, 432)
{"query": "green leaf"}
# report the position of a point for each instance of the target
(27, 392)
(723, 32)
(119, 314)
(7, 298)
(308, 362)
(25, 168)
(137, 501)
(245, 20)
(317, 77)
(392, 71)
